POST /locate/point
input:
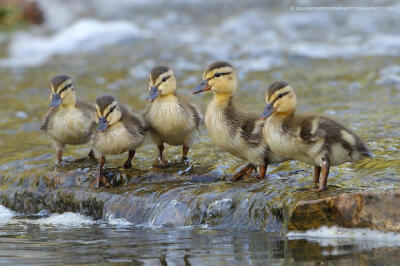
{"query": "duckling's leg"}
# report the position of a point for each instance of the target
(59, 147)
(239, 175)
(325, 172)
(160, 152)
(128, 163)
(185, 150)
(263, 170)
(101, 180)
(317, 172)
(59, 156)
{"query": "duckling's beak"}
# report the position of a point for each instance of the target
(55, 101)
(102, 126)
(268, 110)
(154, 92)
(203, 86)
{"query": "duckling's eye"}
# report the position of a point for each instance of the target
(164, 79)
(217, 75)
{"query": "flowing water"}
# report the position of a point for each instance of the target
(342, 64)
(72, 238)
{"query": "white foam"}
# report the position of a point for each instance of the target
(6, 214)
(117, 222)
(68, 219)
(337, 233)
(85, 35)
(336, 240)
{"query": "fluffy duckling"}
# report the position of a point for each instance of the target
(69, 121)
(118, 131)
(311, 139)
(232, 130)
(171, 118)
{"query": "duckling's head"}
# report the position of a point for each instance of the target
(62, 91)
(220, 77)
(108, 112)
(280, 99)
(162, 82)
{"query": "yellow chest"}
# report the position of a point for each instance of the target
(167, 118)
(115, 140)
(71, 126)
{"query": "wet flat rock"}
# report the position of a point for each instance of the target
(165, 199)
(376, 210)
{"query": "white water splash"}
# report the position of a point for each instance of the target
(85, 35)
(117, 222)
(337, 238)
(6, 214)
(68, 219)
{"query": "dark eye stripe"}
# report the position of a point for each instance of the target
(283, 94)
(280, 96)
(218, 74)
(65, 88)
(111, 109)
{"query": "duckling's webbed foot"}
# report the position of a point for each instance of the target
(128, 163)
(239, 175)
(100, 181)
(91, 155)
(162, 160)
(249, 172)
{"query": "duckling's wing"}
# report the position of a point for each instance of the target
(89, 112)
(145, 118)
(248, 125)
(132, 123)
(314, 128)
(191, 109)
(251, 128)
(47, 119)
(87, 108)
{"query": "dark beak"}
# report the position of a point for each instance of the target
(102, 126)
(154, 92)
(55, 101)
(268, 110)
(203, 86)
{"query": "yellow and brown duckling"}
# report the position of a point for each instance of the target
(312, 139)
(171, 118)
(118, 131)
(233, 130)
(69, 121)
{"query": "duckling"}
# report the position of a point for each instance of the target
(118, 131)
(231, 129)
(69, 121)
(312, 139)
(171, 118)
